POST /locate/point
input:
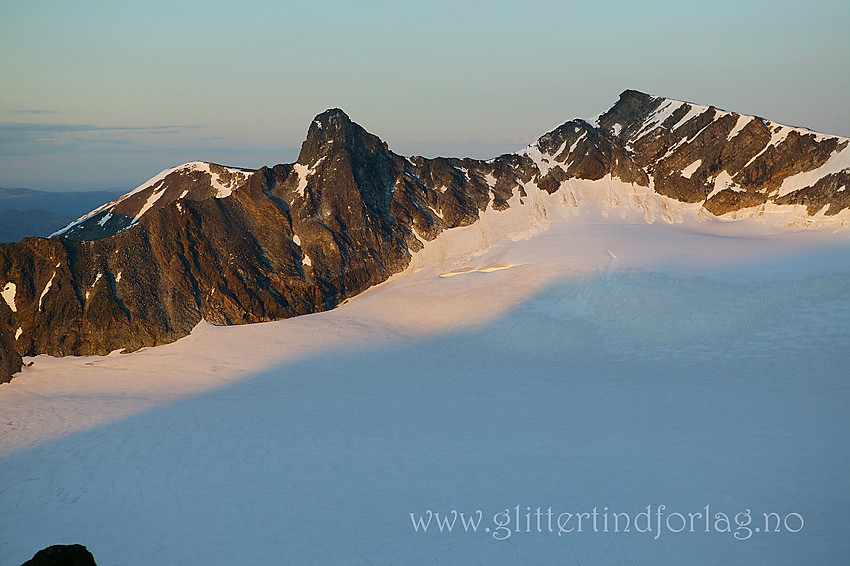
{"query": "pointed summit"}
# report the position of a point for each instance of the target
(329, 124)
(629, 112)
(333, 130)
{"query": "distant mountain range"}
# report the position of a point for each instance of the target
(26, 212)
(234, 246)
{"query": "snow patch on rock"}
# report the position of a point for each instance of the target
(303, 172)
(837, 162)
(691, 169)
(46, 289)
(8, 293)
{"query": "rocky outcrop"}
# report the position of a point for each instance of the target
(701, 154)
(62, 555)
(236, 246)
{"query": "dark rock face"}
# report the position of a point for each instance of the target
(578, 150)
(62, 555)
(10, 359)
(235, 246)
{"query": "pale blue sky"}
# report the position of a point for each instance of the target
(105, 94)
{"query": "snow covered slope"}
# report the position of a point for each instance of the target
(570, 327)
(582, 363)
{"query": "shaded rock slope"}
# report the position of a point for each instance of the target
(235, 246)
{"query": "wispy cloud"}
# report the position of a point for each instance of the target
(61, 128)
(180, 142)
(36, 111)
(35, 138)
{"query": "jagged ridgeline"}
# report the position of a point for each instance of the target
(235, 246)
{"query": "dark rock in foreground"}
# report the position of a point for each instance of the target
(62, 555)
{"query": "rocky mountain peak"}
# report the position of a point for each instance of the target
(342, 166)
(333, 130)
(728, 161)
(626, 117)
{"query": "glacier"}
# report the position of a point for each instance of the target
(539, 358)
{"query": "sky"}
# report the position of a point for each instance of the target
(103, 94)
